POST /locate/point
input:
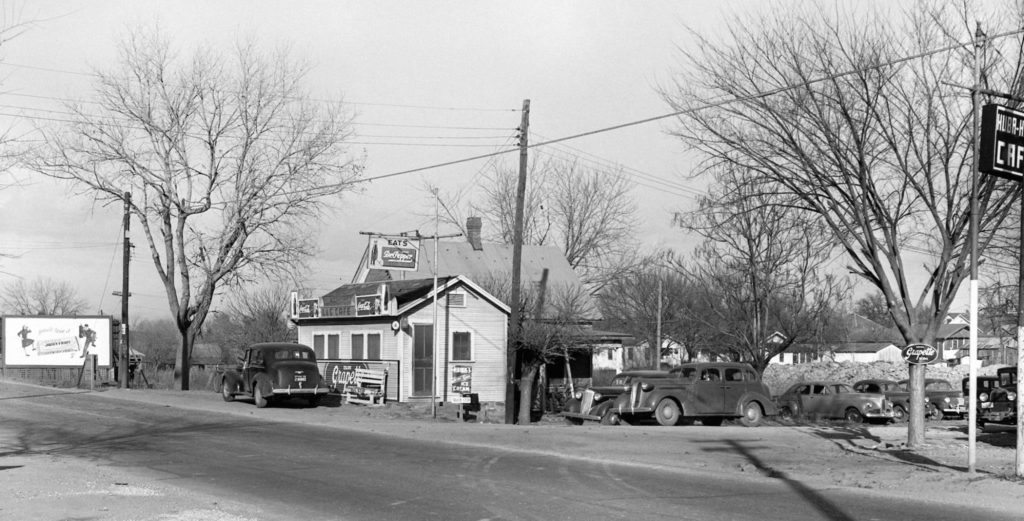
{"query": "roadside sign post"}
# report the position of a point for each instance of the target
(1001, 153)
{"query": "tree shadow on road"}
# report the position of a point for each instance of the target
(827, 508)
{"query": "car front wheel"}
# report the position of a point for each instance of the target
(611, 418)
(667, 413)
(752, 415)
(226, 393)
(899, 414)
(853, 415)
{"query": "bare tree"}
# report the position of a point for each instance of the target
(588, 213)
(761, 275)
(227, 160)
(631, 303)
(41, 296)
(252, 314)
(157, 340)
(829, 111)
(553, 322)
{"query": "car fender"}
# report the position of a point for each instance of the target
(231, 380)
(601, 408)
(571, 405)
(264, 383)
(767, 404)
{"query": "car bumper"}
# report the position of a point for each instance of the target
(300, 391)
(581, 416)
(1007, 417)
(879, 414)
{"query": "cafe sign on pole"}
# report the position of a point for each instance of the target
(1002, 142)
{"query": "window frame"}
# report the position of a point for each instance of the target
(472, 346)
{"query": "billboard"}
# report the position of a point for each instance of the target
(41, 341)
(1002, 142)
(394, 253)
(368, 305)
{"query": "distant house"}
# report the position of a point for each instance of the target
(866, 352)
(801, 354)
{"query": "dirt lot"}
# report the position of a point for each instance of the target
(865, 457)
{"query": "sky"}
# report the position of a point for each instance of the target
(429, 82)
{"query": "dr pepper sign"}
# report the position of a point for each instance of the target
(394, 253)
(1002, 142)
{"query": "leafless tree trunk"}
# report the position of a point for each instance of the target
(228, 161)
(828, 112)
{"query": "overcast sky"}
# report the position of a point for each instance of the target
(431, 82)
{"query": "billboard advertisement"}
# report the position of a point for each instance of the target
(394, 253)
(56, 341)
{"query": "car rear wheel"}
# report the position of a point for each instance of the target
(931, 412)
(853, 415)
(667, 413)
(786, 413)
(226, 392)
(258, 397)
(899, 414)
(752, 415)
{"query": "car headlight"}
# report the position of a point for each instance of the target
(946, 399)
(645, 387)
(1011, 396)
(578, 395)
(868, 406)
(597, 396)
(983, 397)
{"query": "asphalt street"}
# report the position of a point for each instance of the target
(292, 470)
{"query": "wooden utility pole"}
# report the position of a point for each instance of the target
(657, 344)
(124, 348)
(517, 261)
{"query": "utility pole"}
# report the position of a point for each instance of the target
(657, 346)
(517, 261)
(124, 292)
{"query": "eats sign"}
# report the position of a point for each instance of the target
(394, 253)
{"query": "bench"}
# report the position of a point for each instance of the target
(366, 387)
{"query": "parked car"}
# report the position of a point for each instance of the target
(941, 399)
(272, 371)
(985, 386)
(707, 391)
(1004, 399)
(828, 399)
(594, 403)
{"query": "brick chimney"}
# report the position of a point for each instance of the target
(473, 227)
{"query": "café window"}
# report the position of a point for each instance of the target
(366, 346)
(462, 345)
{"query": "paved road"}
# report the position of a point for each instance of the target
(293, 471)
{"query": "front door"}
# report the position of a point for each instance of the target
(422, 360)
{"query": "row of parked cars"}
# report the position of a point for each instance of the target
(711, 392)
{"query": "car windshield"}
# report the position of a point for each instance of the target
(938, 386)
(620, 380)
(1007, 378)
(292, 354)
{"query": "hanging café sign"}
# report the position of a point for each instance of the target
(394, 253)
(1002, 142)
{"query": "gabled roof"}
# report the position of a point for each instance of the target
(492, 262)
(408, 294)
(954, 330)
(861, 347)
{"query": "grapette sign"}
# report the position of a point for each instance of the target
(394, 253)
(920, 354)
(1002, 142)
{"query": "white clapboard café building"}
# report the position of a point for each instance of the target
(390, 325)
